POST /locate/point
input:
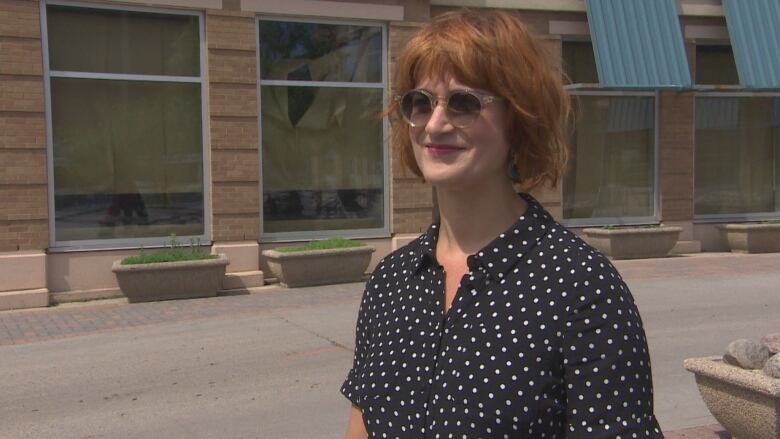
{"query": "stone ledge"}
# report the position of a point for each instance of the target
(21, 299)
(243, 280)
(84, 295)
(22, 271)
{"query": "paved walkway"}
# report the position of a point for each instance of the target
(70, 320)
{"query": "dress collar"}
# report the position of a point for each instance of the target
(501, 254)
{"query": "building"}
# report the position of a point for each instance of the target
(247, 123)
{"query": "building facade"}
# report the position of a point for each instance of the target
(244, 124)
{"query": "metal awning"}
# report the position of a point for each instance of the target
(754, 28)
(638, 44)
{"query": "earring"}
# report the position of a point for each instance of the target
(512, 169)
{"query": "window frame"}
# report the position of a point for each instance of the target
(733, 217)
(48, 74)
(384, 231)
(729, 91)
(586, 89)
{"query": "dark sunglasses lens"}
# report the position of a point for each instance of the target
(463, 108)
(416, 108)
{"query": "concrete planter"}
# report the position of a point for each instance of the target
(319, 267)
(171, 280)
(752, 238)
(745, 402)
(633, 242)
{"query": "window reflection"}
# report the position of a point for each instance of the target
(737, 155)
(322, 146)
(612, 159)
(320, 52)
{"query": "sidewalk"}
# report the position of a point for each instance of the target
(78, 319)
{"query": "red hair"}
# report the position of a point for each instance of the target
(493, 51)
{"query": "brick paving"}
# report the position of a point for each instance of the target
(701, 265)
(714, 431)
(40, 324)
(69, 320)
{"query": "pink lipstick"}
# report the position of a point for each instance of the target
(442, 150)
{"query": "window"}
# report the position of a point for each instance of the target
(126, 125)
(737, 153)
(322, 88)
(737, 142)
(579, 63)
(611, 173)
(715, 65)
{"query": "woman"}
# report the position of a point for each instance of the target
(497, 322)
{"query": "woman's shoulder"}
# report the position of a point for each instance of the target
(582, 260)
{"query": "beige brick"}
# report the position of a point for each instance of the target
(399, 169)
(236, 227)
(399, 35)
(677, 186)
(23, 202)
(232, 100)
(20, 18)
(677, 209)
(19, 56)
(411, 220)
(234, 132)
(546, 195)
(676, 126)
(22, 130)
(411, 194)
(24, 235)
(19, 93)
(235, 198)
(676, 161)
(235, 32)
(232, 66)
(235, 165)
(23, 166)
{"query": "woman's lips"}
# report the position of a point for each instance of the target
(440, 150)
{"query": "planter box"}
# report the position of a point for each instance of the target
(745, 402)
(633, 242)
(319, 267)
(171, 280)
(752, 238)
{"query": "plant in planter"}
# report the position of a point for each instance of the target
(763, 237)
(175, 272)
(742, 388)
(330, 261)
(633, 242)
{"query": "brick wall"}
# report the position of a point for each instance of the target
(230, 38)
(675, 145)
(23, 175)
(411, 200)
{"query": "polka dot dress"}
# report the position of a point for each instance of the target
(543, 340)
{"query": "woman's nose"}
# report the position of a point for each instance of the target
(439, 120)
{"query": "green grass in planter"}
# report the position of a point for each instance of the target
(168, 255)
(325, 244)
(776, 221)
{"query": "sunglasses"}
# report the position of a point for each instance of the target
(462, 106)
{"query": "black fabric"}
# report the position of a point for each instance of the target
(543, 340)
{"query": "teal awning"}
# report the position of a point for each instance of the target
(754, 28)
(638, 43)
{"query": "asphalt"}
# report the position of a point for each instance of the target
(691, 305)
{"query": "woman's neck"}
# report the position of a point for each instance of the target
(472, 217)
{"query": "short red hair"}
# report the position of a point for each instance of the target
(493, 51)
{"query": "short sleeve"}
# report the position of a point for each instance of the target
(606, 362)
(352, 386)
